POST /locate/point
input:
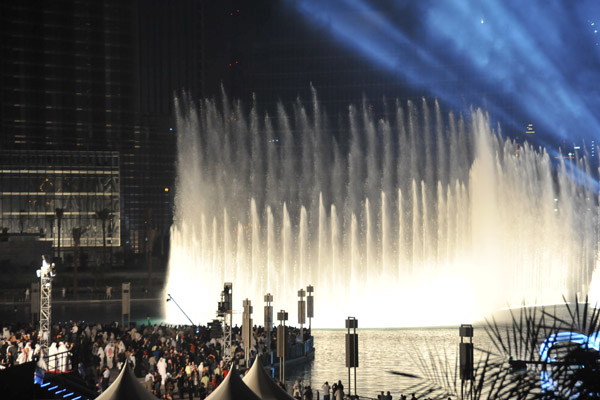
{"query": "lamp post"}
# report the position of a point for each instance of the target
(126, 303)
(247, 329)
(301, 314)
(466, 359)
(351, 350)
(282, 316)
(310, 306)
(269, 322)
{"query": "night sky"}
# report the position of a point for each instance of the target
(525, 62)
(533, 62)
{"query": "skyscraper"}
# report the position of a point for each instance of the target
(97, 76)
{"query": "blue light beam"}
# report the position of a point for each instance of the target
(525, 61)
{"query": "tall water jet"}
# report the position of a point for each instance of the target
(411, 221)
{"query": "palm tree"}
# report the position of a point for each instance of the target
(77, 232)
(50, 221)
(541, 352)
(59, 215)
(22, 220)
(104, 215)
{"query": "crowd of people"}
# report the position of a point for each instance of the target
(172, 361)
(181, 361)
(336, 392)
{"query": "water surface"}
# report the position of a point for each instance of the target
(382, 351)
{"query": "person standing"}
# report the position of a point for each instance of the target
(38, 354)
(297, 389)
(101, 356)
(149, 381)
(74, 331)
(121, 358)
(105, 378)
(325, 388)
(339, 392)
(62, 358)
(109, 351)
(308, 393)
(205, 381)
(52, 357)
(162, 370)
(181, 379)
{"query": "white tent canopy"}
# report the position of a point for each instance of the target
(126, 387)
(233, 388)
(263, 385)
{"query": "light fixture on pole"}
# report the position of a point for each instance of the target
(301, 314)
(46, 274)
(310, 306)
(282, 316)
(247, 329)
(466, 360)
(225, 312)
(351, 350)
(126, 304)
(269, 323)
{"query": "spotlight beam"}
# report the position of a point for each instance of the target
(523, 61)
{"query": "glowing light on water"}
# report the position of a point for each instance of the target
(587, 342)
(418, 220)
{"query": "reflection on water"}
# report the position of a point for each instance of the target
(100, 311)
(381, 351)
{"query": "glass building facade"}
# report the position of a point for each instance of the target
(89, 77)
(34, 184)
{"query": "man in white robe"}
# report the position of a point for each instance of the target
(101, 356)
(162, 369)
(62, 359)
(52, 357)
(37, 353)
(28, 352)
(22, 357)
(109, 351)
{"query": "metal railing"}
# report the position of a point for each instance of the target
(59, 362)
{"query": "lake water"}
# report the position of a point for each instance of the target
(382, 351)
